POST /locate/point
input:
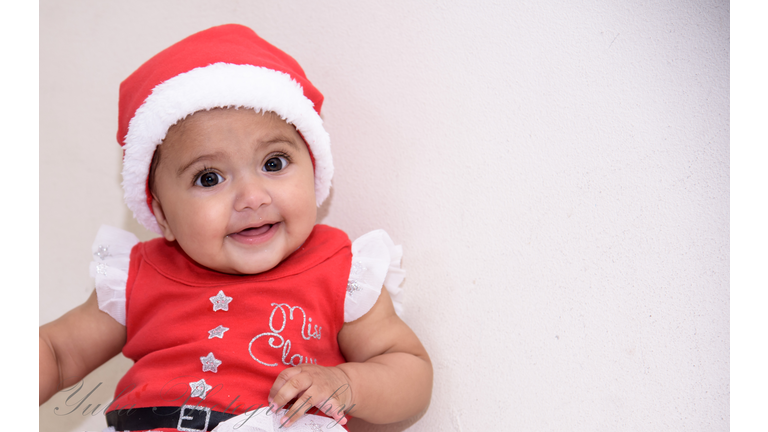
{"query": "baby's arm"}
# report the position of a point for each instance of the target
(76, 344)
(388, 373)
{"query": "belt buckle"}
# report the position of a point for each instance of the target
(183, 417)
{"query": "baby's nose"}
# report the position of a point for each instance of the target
(251, 193)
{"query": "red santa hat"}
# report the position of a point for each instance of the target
(224, 66)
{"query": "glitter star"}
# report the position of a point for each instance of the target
(210, 363)
(102, 252)
(315, 427)
(220, 301)
(357, 268)
(102, 269)
(217, 332)
(352, 286)
(199, 389)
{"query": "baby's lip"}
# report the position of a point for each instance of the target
(255, 233)
(254, 230)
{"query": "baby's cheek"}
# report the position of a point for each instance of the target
(203, 228)
(307, 217)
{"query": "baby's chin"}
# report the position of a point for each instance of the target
(238, 257)
(241, 265)
(243, 269)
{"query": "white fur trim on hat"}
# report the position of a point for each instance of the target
(219, 85)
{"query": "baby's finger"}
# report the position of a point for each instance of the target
(332, 408)
(299, 408)
(307, 402)
(280, 381)
(293, 385)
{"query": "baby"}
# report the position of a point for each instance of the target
(245, 315)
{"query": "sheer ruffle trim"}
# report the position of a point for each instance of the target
(111, 258)
(375, 263)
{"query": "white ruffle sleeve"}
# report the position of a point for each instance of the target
(111, 257)
(375, 263)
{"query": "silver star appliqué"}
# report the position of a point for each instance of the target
(357, 268)
(352, 287)
(101, 268)
(210, 363)
(102, 252)
(199, 389)
(217, 332)
(220, 301)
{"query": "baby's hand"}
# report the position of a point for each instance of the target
(324, 388)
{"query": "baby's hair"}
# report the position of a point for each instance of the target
(152, 168)
(156, 158)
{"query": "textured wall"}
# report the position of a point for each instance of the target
(557, 171)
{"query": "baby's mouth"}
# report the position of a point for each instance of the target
(257, 231)
(255, 235)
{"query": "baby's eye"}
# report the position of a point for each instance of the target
(276, 163)
(208, 179)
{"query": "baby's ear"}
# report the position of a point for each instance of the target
(157, 209)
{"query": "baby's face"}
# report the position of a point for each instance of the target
(235, 189)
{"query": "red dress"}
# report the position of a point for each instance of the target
(200, 337)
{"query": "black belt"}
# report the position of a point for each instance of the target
(188, 418)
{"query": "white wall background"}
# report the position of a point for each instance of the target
(557, 171)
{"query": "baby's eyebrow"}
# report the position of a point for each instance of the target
(282, 139)
(206, 156)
